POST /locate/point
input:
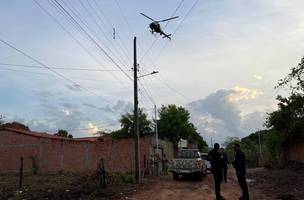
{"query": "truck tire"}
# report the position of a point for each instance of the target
(175, 176)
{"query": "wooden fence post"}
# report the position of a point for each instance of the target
(102, 174)
(21, 173)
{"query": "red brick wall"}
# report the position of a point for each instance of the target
(54, 155)
(118, 155)
(296, 153)
(13, 147)
(50, 155)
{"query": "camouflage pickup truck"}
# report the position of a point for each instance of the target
(188, 163)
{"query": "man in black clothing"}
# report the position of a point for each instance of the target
(224, 157)
(240, 168)
(216, 168)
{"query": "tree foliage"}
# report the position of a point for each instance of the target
(127, 126)
(63, 133)
(228, 144)
(295, 79)
(288, 120)
(285, 125)
(174, 124)
(250, 146)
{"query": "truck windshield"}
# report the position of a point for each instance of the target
(188, 154)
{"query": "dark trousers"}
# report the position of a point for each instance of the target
(224, 179)
(217, 184)
(243, 184)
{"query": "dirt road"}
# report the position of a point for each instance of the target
(264, 184)
(168, 189)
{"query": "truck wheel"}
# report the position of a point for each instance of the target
(175, 176)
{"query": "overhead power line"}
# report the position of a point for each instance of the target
(91, 38)
(71, 35)
(155, 40)
(175, 31)
(114, 53)
(52, 70)
(74, 77)
(124, 17)
(110, 31)
(149, 97)
(108, 23)
(160, 51)
(62, 68)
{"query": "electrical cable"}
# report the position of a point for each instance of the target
(62, 68)
(53, 71)
(94, 41)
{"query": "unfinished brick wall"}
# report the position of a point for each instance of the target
(50, 154)
(13, 147)
(45, 154)
(118, 155)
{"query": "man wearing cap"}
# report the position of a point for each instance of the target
(240, 167)
(216, 168)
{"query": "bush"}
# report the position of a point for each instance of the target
(120, 178)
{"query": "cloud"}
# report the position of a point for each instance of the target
(239, 93)
(219, 107)
(74, 87)
(253, 121)
(218, 115)
(92, 128)
(59, 113)
(258, 77)
(119, 108)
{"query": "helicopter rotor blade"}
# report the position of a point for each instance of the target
(147, 16)
(168, 19)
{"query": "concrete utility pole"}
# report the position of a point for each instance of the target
(260, 143)
(135, 120)
(156, 131)
(211, 143)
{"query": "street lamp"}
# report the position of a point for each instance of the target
(154, 72)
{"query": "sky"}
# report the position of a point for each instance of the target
(222, 64)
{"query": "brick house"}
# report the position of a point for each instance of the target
(47, 153)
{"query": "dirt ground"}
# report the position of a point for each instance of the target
(281, 184)
(185, 188)
(264, 184)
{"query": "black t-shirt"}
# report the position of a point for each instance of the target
(216, 161)
(239, 162)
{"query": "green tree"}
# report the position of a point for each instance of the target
(63, 133)
(288, 120)
(295, 79)
(228, 145)
(287, 123)
(126, 123)
(174, 124)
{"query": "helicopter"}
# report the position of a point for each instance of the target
(155, 26)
